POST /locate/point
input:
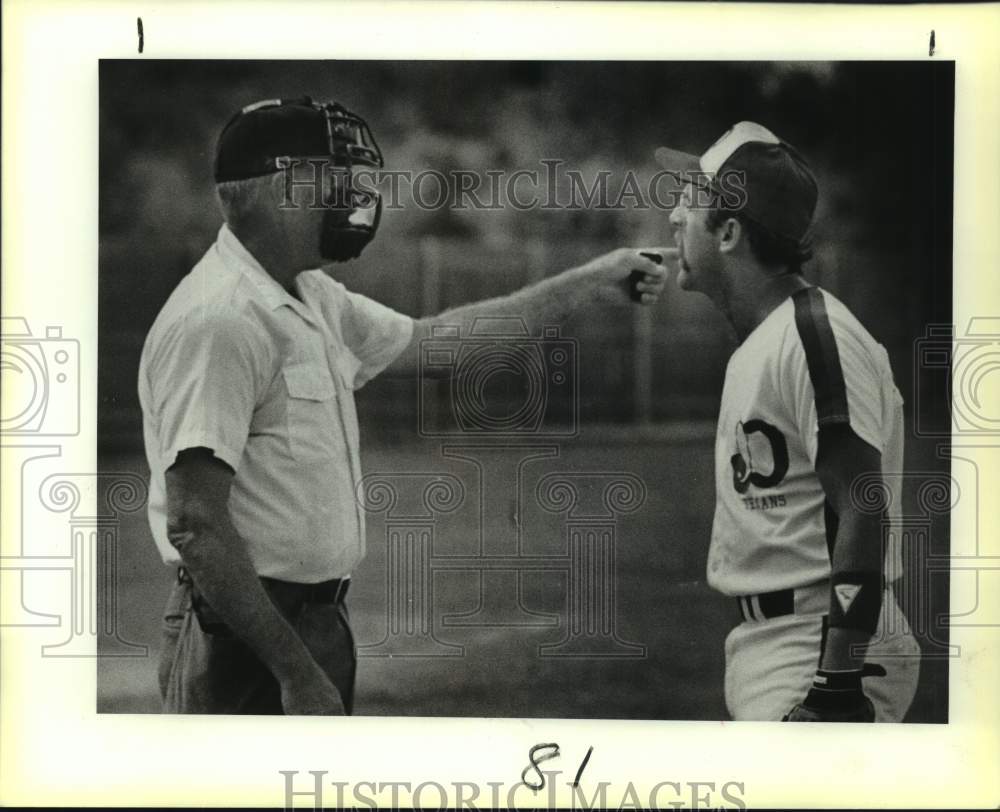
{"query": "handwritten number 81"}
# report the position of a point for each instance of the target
(537, 758)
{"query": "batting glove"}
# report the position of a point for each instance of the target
(836, 696)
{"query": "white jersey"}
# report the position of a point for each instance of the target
(810, 363)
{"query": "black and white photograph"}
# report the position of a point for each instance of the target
(499, 405)
(507, 389)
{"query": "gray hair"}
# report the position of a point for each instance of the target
(242, 199)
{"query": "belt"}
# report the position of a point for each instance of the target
(767, 605)
(332, 591)
(809, 600)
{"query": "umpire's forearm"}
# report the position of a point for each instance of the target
(217, 559)
(547, 302)
(544, 303)
(602, 283)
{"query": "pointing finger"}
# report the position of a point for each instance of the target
(665, 254)
(661, 253)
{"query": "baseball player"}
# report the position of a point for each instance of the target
(247, 383)
(809, 412)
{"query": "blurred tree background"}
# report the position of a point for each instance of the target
(878, 135)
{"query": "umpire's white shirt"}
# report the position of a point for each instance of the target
(236, 364)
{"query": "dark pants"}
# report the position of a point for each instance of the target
(215, 672)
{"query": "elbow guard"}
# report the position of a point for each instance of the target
(856, 600)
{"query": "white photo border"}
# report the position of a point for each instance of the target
(56, 750)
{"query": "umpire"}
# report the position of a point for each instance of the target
(247, 383)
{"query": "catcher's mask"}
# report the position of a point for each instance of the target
(276, 135)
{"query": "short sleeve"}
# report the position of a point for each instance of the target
(829, 377)
(375, 334)
(205, 379)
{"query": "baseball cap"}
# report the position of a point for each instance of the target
(780, 188)
(260, 134)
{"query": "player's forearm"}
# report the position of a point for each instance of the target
(217, 559)
(840, 643)
(857, 548)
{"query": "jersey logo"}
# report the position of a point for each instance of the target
(746, 464)
(846, 593)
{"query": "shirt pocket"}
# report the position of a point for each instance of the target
(311, 410)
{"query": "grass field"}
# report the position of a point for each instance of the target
(662, 602)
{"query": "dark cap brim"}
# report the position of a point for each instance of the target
(674, 160)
